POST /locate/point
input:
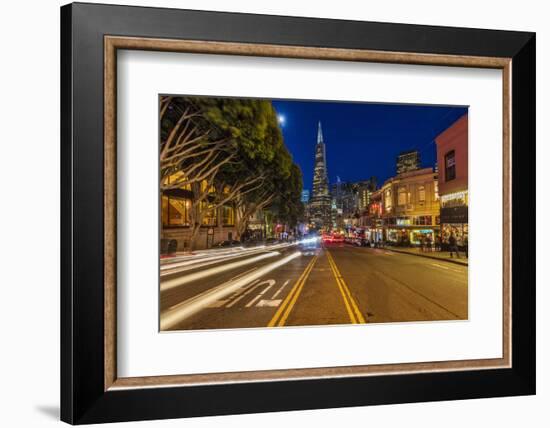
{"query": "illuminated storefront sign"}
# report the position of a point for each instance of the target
(455, 199)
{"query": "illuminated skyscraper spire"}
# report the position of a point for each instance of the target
(320, 200)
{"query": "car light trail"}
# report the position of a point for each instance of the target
(205, 261)
(176, 282)
(189, 307)
(197, 261)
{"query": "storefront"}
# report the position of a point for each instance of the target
(459, 230)
(417, 236)
(397, 236)
(454, 221)
(411, 235)
(375, 234)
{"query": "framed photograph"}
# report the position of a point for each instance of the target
(267, 213)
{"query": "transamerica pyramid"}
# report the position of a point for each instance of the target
(320, 203)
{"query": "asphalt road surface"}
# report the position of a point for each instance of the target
(290, 285)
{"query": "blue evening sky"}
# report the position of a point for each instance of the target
(362, 139)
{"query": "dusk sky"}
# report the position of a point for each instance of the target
(362, 140)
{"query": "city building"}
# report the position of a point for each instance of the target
(405, 209)
(320, 204)
(343, 203)
(408, 161)
(364, 190)
(452, 161)
(370, 220)
(350, 200)
(305, 196)
(216, 225)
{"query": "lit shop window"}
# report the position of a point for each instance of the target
(456, 199)
(175, 211)
(403, 221)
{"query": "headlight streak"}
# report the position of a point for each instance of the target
(176, 282)
(205, 259)
(191, 306)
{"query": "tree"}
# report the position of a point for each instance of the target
(226, 151)
(288, 207)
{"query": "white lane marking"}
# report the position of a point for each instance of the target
(440, 266)
(175, 282)
(220, 303)
(271, 283)
(249, 304)
(269, 302)
(249, 289)
(281, 289)
(191, 306)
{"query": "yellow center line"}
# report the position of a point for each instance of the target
(284, 310)
(354, 313)
(342, 292)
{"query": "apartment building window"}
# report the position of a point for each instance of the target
(228, 216)
(421, 193)
(450, 167)
(402, 196)
(210, 217)
(424, 220)
(387, 200)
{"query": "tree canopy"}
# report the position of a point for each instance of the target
(237, 148)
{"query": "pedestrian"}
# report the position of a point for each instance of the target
(453, 246)
(429, 243)
(422, 243)
(466, 246)
(438, 244)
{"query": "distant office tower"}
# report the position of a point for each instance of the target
(408, 161)
(305, 196)
(365, 189)
(320, 203)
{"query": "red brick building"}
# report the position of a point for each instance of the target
(452, 162)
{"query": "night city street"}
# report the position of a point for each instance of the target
(256, 232)
(330, 284)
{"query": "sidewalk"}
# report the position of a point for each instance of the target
(437, 255)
